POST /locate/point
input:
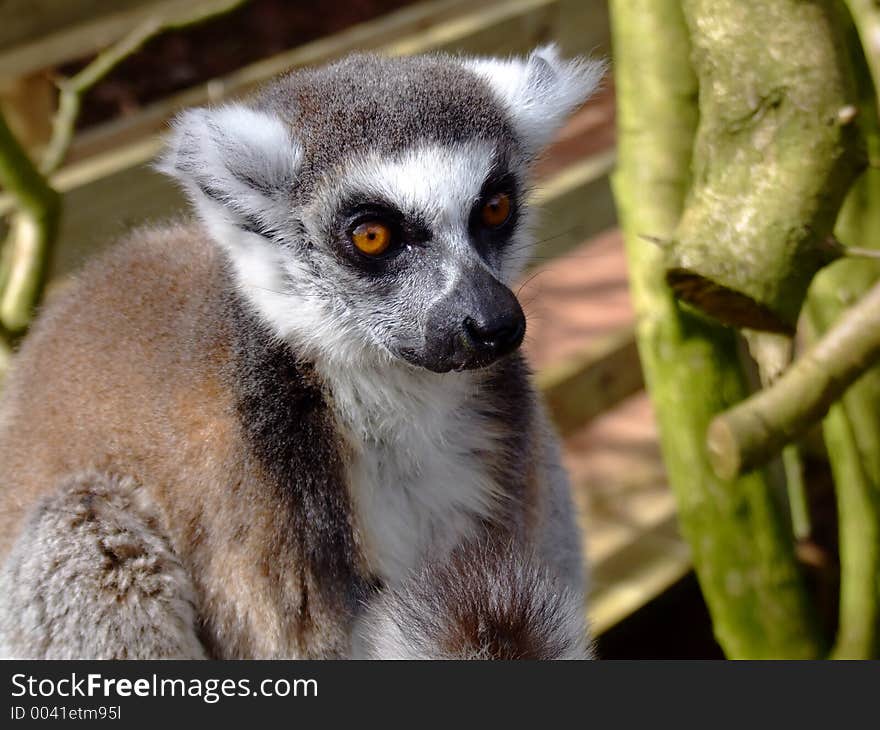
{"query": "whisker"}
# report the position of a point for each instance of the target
(529, 280)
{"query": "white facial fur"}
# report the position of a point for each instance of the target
(438, 183)
(244, 158)
(442, 183)
(541, 91)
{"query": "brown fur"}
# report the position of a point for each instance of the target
(128, 373)
(490, 600)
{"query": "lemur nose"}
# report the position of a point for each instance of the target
(499, 335)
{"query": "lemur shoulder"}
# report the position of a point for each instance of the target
(288, 427)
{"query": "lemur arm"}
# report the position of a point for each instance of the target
(91, 576)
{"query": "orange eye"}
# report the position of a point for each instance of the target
(496, 210)
(371, 238)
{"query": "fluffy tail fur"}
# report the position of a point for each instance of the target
(488, 601)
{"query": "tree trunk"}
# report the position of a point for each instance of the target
(775, 154)
(741, 545)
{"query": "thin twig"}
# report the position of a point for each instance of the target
(866, 253)
(32, 231)
(752, 432)
(838, 249)
(71, 90)
(774, 354)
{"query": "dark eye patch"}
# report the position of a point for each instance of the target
(405, 231)
(490, 238)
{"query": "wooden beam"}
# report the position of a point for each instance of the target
(592, 382)
(575, 203)
(496, 27)
(25, 21)
(652, 561)
(39, 34)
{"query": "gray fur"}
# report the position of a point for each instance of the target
(92, 576)
(372, 103)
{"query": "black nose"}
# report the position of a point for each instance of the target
(496, 336)
(479, 322)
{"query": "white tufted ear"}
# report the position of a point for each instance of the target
(236, 164)
(540, 91)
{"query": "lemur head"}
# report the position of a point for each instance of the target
(376, 208)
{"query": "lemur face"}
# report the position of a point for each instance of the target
(375, 210)
(420, 244)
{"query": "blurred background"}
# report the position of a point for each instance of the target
(87, 88)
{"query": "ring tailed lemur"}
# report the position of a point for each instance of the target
(299, 427)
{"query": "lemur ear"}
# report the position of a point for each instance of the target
(235, 163)
(541, 91)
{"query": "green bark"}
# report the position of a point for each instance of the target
(755, 430)
(852, 434)
(741, 546)
(852, 427)
(33, 230)
(774, 157)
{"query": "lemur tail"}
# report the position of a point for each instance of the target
(488, 601)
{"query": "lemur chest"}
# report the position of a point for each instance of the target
(419, 492)
(407, 507)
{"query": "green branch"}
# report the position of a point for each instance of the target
(852, 435)
(71, 90)
(32, 232)
(754, 431)
(773, 354)
(742, 551)
(852, 428)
